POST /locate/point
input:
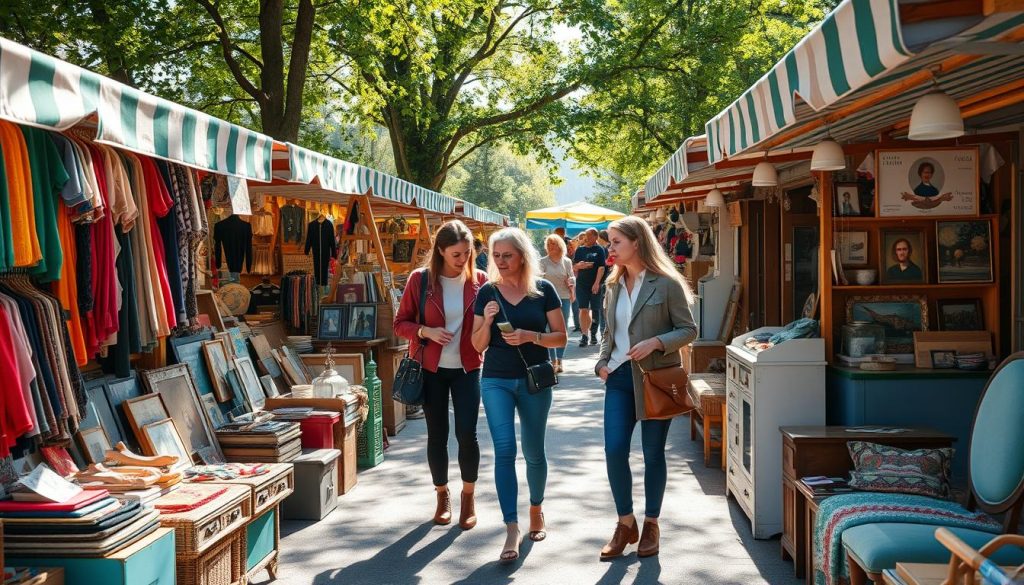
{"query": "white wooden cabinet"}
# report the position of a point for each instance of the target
(780, 386)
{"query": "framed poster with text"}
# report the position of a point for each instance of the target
(934, 182)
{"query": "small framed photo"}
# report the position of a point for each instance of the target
(349, 365)
(94, 444)
(853, 248)
(943, 359)
(362, 322)
(351, 293)
(847, 203)
(964, 251)
(332, 321)
(253, 389)
(217, 364)
(960, 315)
(165, 440)
(144, 410)
(902, 258)
(213, 411)
(269, 386)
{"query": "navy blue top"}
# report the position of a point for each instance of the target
(596, 254)
(501, 360)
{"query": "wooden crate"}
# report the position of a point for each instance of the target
(344, 435)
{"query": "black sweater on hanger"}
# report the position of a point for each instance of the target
(320, 240)
(235, 236)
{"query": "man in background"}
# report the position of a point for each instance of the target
(604, 242)
(481, 254)
(589, 266)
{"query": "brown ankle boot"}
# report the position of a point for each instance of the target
(467, 512)
(649, 540)
(624, 536)
(443, 514)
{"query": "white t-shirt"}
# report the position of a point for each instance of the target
(623, 314)
(454, 317)
(558, 274)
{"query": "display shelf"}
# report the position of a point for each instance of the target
(899, 287)
(874, 221)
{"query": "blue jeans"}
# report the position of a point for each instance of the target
(619, 421)
(502, 398)
(575, 315)
(558, 352)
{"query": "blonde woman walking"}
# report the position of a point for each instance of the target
(556, 268)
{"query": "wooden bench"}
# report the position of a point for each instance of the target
(707, 392)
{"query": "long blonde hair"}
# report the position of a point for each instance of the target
(559, 243)
(652, 257)
(531, 261)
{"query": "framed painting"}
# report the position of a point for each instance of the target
(118, 392)
(235, 382)
(99, 405)
(362, 322)
(229, 344)
(213, 411)
(177, 343)
(899, 315)
(165, 439)
(251, 385)
(853, 248)
(174, 384)
(847, 200)
(960, 315)
(269, 386)
(94, 444)
(217, 366)
(351, 293)
(142, 411)
(902, 258)
(933, 182)
(332, 321)
(191, 354)
(964, 251)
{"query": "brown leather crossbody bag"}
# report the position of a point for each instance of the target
(665, 394)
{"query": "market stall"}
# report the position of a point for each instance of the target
(575, 217)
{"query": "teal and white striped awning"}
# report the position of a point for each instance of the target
(676, 168)
(861, 46)
(482, 215)
(39, 90)
(344, 177)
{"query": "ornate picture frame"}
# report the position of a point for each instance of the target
(175, 385)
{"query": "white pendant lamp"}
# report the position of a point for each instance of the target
(765, 175)
(828, 156)
(935, 116)
(715, 199)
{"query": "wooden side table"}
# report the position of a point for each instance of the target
(821, 450)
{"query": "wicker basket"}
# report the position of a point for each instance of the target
(267, 490)
(201, 529)
(222, 564)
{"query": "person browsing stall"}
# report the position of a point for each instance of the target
(588, 263)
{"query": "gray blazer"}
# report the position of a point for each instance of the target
(660, 311)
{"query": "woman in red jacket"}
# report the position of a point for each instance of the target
(451, 366)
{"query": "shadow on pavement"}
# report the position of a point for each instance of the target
(393, 563)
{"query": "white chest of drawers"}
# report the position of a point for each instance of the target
(780, 386)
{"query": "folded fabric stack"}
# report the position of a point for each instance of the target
(226, 471)
(93, 523)
(265, 442)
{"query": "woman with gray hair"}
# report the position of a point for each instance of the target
(518, 317)
(556, 268)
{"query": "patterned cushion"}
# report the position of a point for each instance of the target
(881, 468)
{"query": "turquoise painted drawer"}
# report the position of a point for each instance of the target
(260, 539)
(148, 562)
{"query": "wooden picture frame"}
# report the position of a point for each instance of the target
(902, 256)
(899, 315)
(932, 182)
(213, 411)
(269, 386)
(852, 247)
(349, 293)
(349, 365)
(362, 322)
(291, 375)
(251, 385)
(925, 342)
(229, 343)
(95, 444)
(99, 411)
(959, 315)
(207, 303)
(846, 202)
(191, 354)
(142, 411)
(218, 363)
(177, 343)
(331, 321)
(165, 439)
(119, 391)
(235, 383)
(175, 384)
(964, 251)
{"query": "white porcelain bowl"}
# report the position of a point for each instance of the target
(863, 276)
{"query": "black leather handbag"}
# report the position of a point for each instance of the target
(539, 376)
(408, 386)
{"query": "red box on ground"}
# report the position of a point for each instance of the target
(318, 430)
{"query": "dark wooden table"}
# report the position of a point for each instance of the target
(821, 450)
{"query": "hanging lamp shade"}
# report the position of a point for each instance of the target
(659, 215)
(765, 175)
(935, 116)
(715, 198)
(828, 156)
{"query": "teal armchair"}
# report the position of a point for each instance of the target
(996, 481)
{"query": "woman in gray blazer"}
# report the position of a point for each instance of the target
(647, 309)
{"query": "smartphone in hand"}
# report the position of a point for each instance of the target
(506, 327)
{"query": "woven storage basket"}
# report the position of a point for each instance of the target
(222, 564)
(267, 490)
(200, 529)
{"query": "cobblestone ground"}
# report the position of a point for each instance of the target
(381, 533)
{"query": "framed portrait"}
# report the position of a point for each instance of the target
(847, 200)
(362, 322)
(933, 182)
(174, 384)
(165, 439)
(332, 321)
(964, 251)
(943, 359)
(142, 411)
(402, 250)
(960, 315)
(251, 385)
(229, 344)
(213, 411)
(351, 293)
(217, 366)
(902, 258)
(94, 444)
(191, 354)
(349, 365)
(899, 315)
(853, 248)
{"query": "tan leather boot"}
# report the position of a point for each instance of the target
(649, 541)
(443, 514)
(623, 536)
(467, 512)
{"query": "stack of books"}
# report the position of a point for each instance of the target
(265, 442)
(352, 413)
(822, 485)
(292, 413)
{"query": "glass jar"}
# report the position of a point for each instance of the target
(861, 338)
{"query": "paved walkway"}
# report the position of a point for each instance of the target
(381, 533)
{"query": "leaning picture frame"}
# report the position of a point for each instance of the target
(142, 411)
(349, 365)
(174, 384)
(165, 439)
(95, 444)
(218, 363)
(213, 411)
(362, 321)
(251, 386)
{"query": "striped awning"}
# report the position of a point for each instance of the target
(677, 167)
(860, 47)
(39, 90)
(482, 215)
(339, 176)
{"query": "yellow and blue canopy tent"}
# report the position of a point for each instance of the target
(574, 217)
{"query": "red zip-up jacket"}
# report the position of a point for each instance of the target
(407, 321)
